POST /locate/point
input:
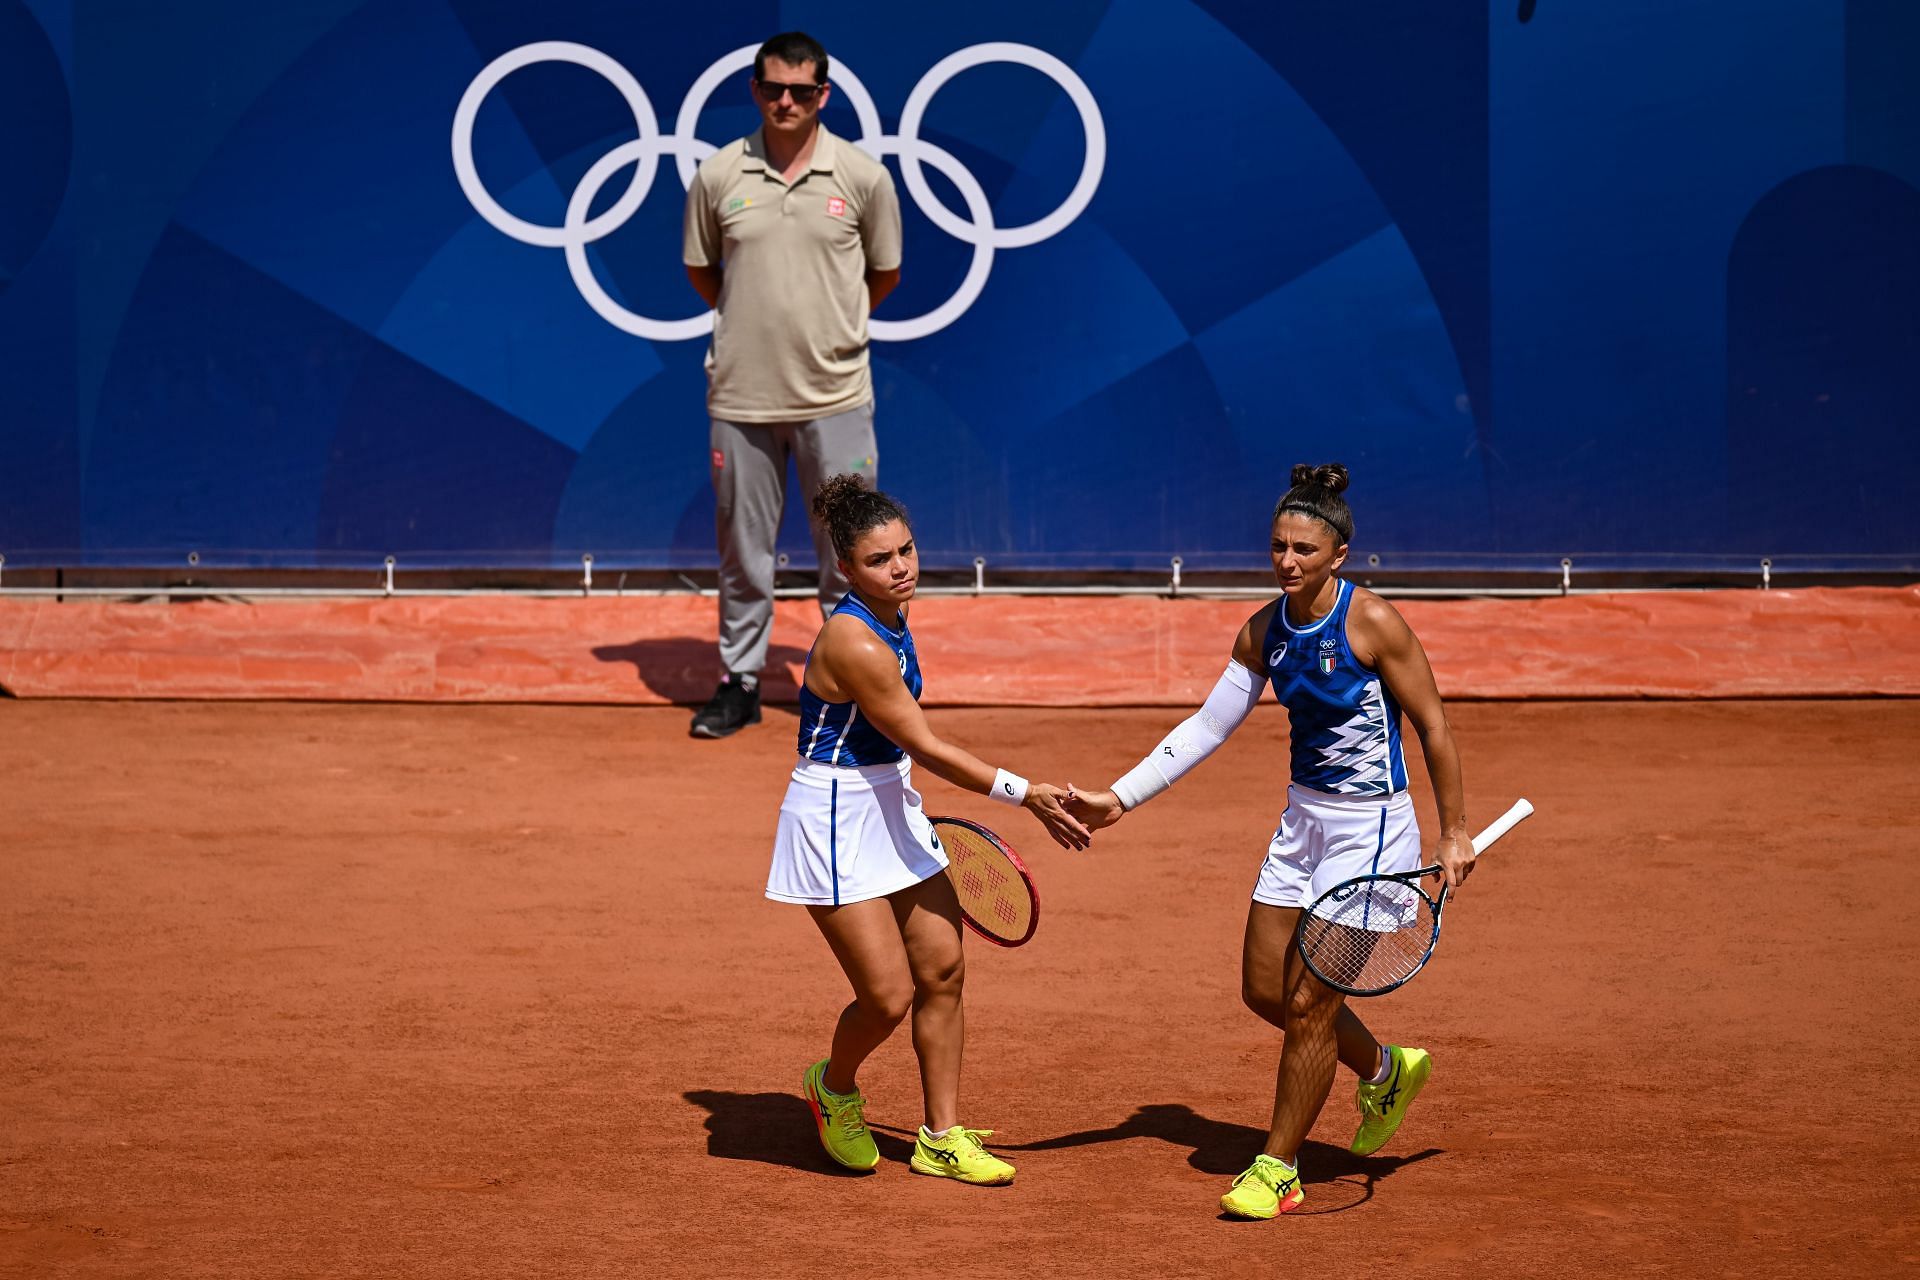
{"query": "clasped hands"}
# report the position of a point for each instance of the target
(1072, 816)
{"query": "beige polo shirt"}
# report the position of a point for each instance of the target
(790, 333)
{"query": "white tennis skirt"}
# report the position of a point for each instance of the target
(1324, 839)
(850, 834)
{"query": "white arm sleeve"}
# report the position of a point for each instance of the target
(1193, 739)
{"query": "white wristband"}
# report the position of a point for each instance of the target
(1009, 788)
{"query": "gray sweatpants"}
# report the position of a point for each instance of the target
(750, 490)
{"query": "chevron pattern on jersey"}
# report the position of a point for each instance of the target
(1345, 722)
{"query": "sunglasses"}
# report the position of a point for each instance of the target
(773, 91)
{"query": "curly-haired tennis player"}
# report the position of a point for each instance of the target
(856, 850)
(1345, 665)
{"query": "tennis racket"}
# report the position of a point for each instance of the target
(998, 900)
(1368, 935)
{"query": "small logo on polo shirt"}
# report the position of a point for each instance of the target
(719, 460)
(738, 203)
(836, 207)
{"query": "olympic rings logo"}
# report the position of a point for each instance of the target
(578, 231)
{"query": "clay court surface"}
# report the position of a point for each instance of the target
(376, 990)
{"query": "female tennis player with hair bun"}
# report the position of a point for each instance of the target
(1345, 665)
(855, 849)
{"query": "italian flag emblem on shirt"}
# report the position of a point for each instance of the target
(1326, 663)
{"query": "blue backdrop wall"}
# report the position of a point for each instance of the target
(1637, 281)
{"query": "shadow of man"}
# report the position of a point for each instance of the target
(776, 1128)
(1220, 1147)
(683, 669)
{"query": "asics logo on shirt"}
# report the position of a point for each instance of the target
(1273, 659)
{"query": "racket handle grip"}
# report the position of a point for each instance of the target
(1521, 810)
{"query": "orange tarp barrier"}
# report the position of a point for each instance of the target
(993, 650)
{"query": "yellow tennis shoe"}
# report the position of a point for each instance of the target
(959, 1154)
(1383, 1106)
(841, 1119)
(1267, 1189)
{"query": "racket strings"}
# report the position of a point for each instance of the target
(991, 892)
(1372, 937)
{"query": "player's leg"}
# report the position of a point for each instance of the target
(749, 492)
(1263, 988)
(865, 939)
(1287, 878)
(1271, 1185)
(929, 917)
(1310, 1009)
(1360, 1050)
(1383, 1096)
(842, 444)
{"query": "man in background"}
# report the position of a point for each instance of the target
(792, 236)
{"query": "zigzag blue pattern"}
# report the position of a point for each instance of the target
(1345, 721)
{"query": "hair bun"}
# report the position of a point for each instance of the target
(1316, 493)
(1331, 476)
(836, 492)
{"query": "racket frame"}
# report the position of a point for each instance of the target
(1515, 814)
(1019, 867)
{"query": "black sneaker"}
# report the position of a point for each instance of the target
(733, 706)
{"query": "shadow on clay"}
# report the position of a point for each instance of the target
(1220, 1147)
(776, 1128)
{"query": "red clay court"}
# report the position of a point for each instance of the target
(441, 990)
(391, 392)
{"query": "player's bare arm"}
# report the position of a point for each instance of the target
(866, 671)
(1246, 645)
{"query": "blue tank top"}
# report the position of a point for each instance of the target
(1346, 724)
(833, 732)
